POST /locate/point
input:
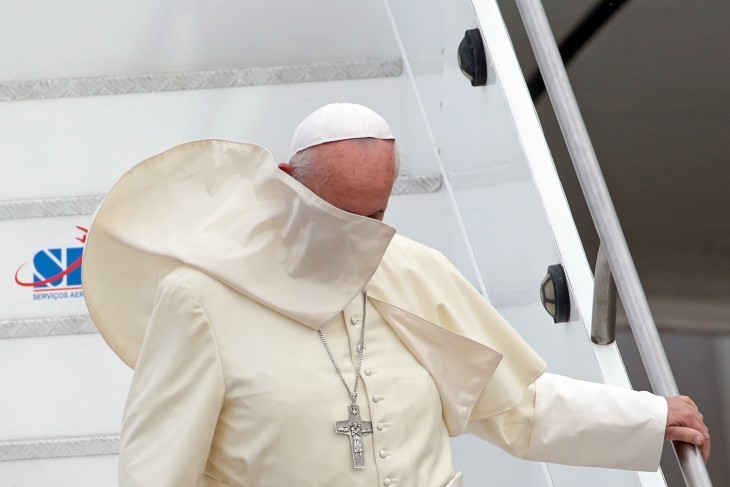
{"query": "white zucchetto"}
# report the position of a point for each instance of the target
(339, 121)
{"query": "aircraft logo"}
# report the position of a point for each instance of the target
(56, 272)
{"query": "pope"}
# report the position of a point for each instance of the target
(282, 335)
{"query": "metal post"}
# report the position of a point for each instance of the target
(606, 222)
(603, 324)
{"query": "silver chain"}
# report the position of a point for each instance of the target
(360, 350)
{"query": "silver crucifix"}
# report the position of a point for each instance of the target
(355, 427)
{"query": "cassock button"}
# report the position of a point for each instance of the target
(383, 426)
(387, 482)
(370, 372)
(384, 453)
(377, 398)
(354, 320)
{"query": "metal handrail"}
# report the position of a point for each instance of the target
(606, 222)
(603, 324)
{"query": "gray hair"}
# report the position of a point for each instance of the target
(303, 161)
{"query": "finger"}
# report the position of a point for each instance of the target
(699, 424)
(705, 431)
(705, 449)
(685, 434)
(696, 421)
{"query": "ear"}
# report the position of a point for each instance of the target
(286, 167)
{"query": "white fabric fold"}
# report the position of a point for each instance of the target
(422, 282)
(460, 367)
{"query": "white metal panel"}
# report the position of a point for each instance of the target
(81, 38)
(98, 471)
(60, 386)
(87, 143)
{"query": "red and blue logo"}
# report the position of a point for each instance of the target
(56, 271)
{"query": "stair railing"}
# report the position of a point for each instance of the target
(607, 223)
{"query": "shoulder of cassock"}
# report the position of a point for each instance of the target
(481, 366)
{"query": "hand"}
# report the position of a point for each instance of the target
(685, 423)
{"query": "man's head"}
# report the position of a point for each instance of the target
(344, 153)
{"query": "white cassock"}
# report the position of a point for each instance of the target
(210, 271)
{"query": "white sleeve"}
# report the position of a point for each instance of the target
(573, 422)
(176, 395)
(583, 423)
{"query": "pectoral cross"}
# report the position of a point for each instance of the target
(355, 427)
